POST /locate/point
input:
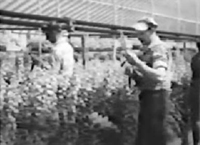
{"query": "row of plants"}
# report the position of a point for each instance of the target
(96, 106)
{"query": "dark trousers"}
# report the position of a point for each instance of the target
(152, 118)
(194, 104)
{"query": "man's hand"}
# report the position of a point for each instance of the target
(132, 72)
(131, 57)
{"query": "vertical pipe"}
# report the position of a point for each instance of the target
(28, 36)
(185, 48)
(83, 39)
(26, 54)
(114, 48)
(40, 48)
(17, 64)
(123, 40)
(184, 45)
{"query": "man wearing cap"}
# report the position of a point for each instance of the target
(64, 53)
(194, 97)
(154, 72)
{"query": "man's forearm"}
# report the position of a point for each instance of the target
(149, 72)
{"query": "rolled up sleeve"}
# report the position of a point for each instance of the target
(160, 58)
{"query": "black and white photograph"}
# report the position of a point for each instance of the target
(99, 72)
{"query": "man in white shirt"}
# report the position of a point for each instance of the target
(63, 51)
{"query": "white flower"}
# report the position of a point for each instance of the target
(102, 121)
(93, 116)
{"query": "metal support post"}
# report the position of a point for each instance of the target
(84, 51)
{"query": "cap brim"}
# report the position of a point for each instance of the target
(140, 26)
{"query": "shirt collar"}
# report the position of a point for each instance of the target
(155, 42)
(61, 40)
(147, 48)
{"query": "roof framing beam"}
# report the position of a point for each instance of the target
(82, 26)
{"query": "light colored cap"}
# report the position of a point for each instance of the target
(144, 24)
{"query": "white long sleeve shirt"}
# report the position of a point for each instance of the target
(64, 53)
